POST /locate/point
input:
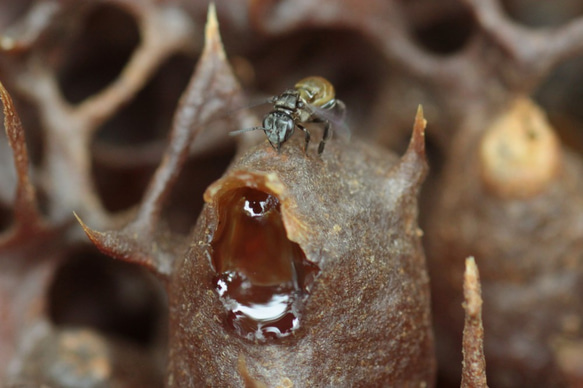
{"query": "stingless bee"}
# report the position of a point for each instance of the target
(312, 100)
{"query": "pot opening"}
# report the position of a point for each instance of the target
(263, 277)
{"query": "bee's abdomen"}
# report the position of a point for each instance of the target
(316, 91)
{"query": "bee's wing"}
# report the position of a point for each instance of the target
(336, 117)
(252, 105)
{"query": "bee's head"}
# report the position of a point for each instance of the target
(278, 127)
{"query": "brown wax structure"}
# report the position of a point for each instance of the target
(349, 306)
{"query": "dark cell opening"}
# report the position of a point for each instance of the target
(263, 277)
(563, 103)
(5, 218)
(127, 147)
(99, 53)
(148, 116)
(118, 299)
(121, 188)
(186, 199)
(446, 35)
(535, 13)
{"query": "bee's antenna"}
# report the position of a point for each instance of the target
(238, 131)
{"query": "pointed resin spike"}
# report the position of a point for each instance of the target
(143, 241)
(474, 363)
(410, 172)
(418, 137)
(413, 167)
(208, 93)
(25, 202)
(132, 247)
(300, 264)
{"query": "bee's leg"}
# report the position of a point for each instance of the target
(325, 137)
(307, 136)
(326, 134)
